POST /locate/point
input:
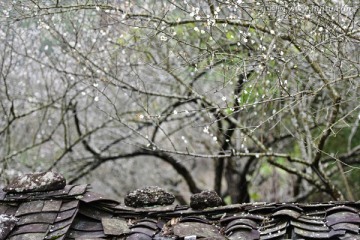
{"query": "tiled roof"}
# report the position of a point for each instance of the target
(75, 212)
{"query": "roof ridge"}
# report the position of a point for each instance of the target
(75, 211)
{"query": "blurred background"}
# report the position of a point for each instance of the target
(256, 100)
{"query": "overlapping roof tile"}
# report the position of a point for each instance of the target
(75, 212)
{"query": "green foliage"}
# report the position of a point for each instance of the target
(353, 175)
(229, 111)
(255, 196)
(266, 169)
(227, 200)
(338, 143)
(121, 41)
(230, 35)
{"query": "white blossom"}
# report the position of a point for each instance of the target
(206, 129)
(163, 38)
